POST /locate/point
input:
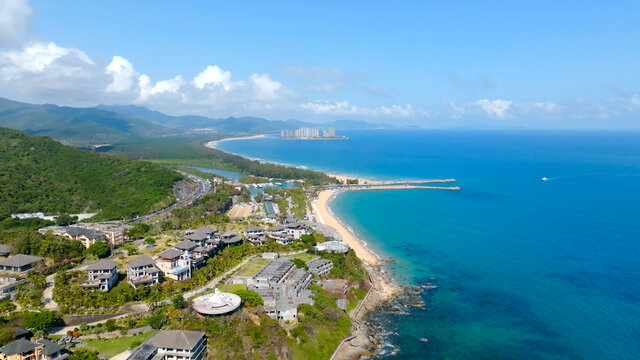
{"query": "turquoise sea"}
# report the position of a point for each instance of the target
(525, 269)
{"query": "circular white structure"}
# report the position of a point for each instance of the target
(217, 303)
(333, 246)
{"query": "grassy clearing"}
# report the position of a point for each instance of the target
(231, 287)
(252, 268)
(305, 256)
(112, 347)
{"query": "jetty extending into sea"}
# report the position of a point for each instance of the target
(397, 185)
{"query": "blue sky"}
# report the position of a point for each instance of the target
(433, 64)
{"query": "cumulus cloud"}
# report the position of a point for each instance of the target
(343, 108)
(497, 108)
(546, 106)
(123, 74)
(14, 21)
(264, 87)
(213, 76)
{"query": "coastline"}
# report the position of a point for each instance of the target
(363, 340)
(212, 143)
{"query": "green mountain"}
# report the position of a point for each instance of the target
(75, 126)
(40, 174)
(230, 125)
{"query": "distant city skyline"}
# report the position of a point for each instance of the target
(544, 65)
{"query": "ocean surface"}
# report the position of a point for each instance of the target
(524, 269)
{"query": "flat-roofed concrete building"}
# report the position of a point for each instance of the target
(19, 263)
(103, 275)
(172, 345)
(320, 266)
(143, 271)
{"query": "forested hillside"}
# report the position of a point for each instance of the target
(75, 126)
(40, 174)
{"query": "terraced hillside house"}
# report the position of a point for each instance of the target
(175, 264)
(255, 235)
(280, 234)
(172, 345)
(9, 287)
(4, 250)
(143, 271)
(228, 238)
(19, 264)
(41, 349)
(103, 275)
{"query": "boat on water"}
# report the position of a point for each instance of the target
(544, 179)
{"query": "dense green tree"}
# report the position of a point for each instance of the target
(138, 230)
(66, 219)
(84, 354)
(249, 297)
(300, 264)
(39, 321)
(157, 320)
(7, 335)
(40, 174)
(178, 302)
(99, 249)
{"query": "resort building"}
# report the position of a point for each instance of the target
(296, 230)
(228, 239)
(41, 349)
(172, 345)
(103, 276)
(4, 250)
(320, 266)
(255, 235)
(175, 264)
(143, 271)
(113, 233)
(201, 235)
(9, 287)
(19, 263)
(280, 234)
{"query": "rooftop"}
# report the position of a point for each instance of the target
(20, 346)
(141, 261)
(20, 260)
(102, 265)
(176, 339)
(170, 254)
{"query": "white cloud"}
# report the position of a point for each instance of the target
(635, 100)
(164, 86)
(123, 74)
(264, 87)
(14, 21)
(497, 108)
(343, 108)
(213, 76)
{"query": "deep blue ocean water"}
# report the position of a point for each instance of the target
(525, 269)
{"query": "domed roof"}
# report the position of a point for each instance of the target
(217, 303)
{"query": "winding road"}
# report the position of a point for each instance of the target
(202, 188)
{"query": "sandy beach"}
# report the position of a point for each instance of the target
(385, 285)
(212, 144)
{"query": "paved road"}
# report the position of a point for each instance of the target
(203, 186)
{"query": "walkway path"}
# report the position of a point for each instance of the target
(47, 294)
